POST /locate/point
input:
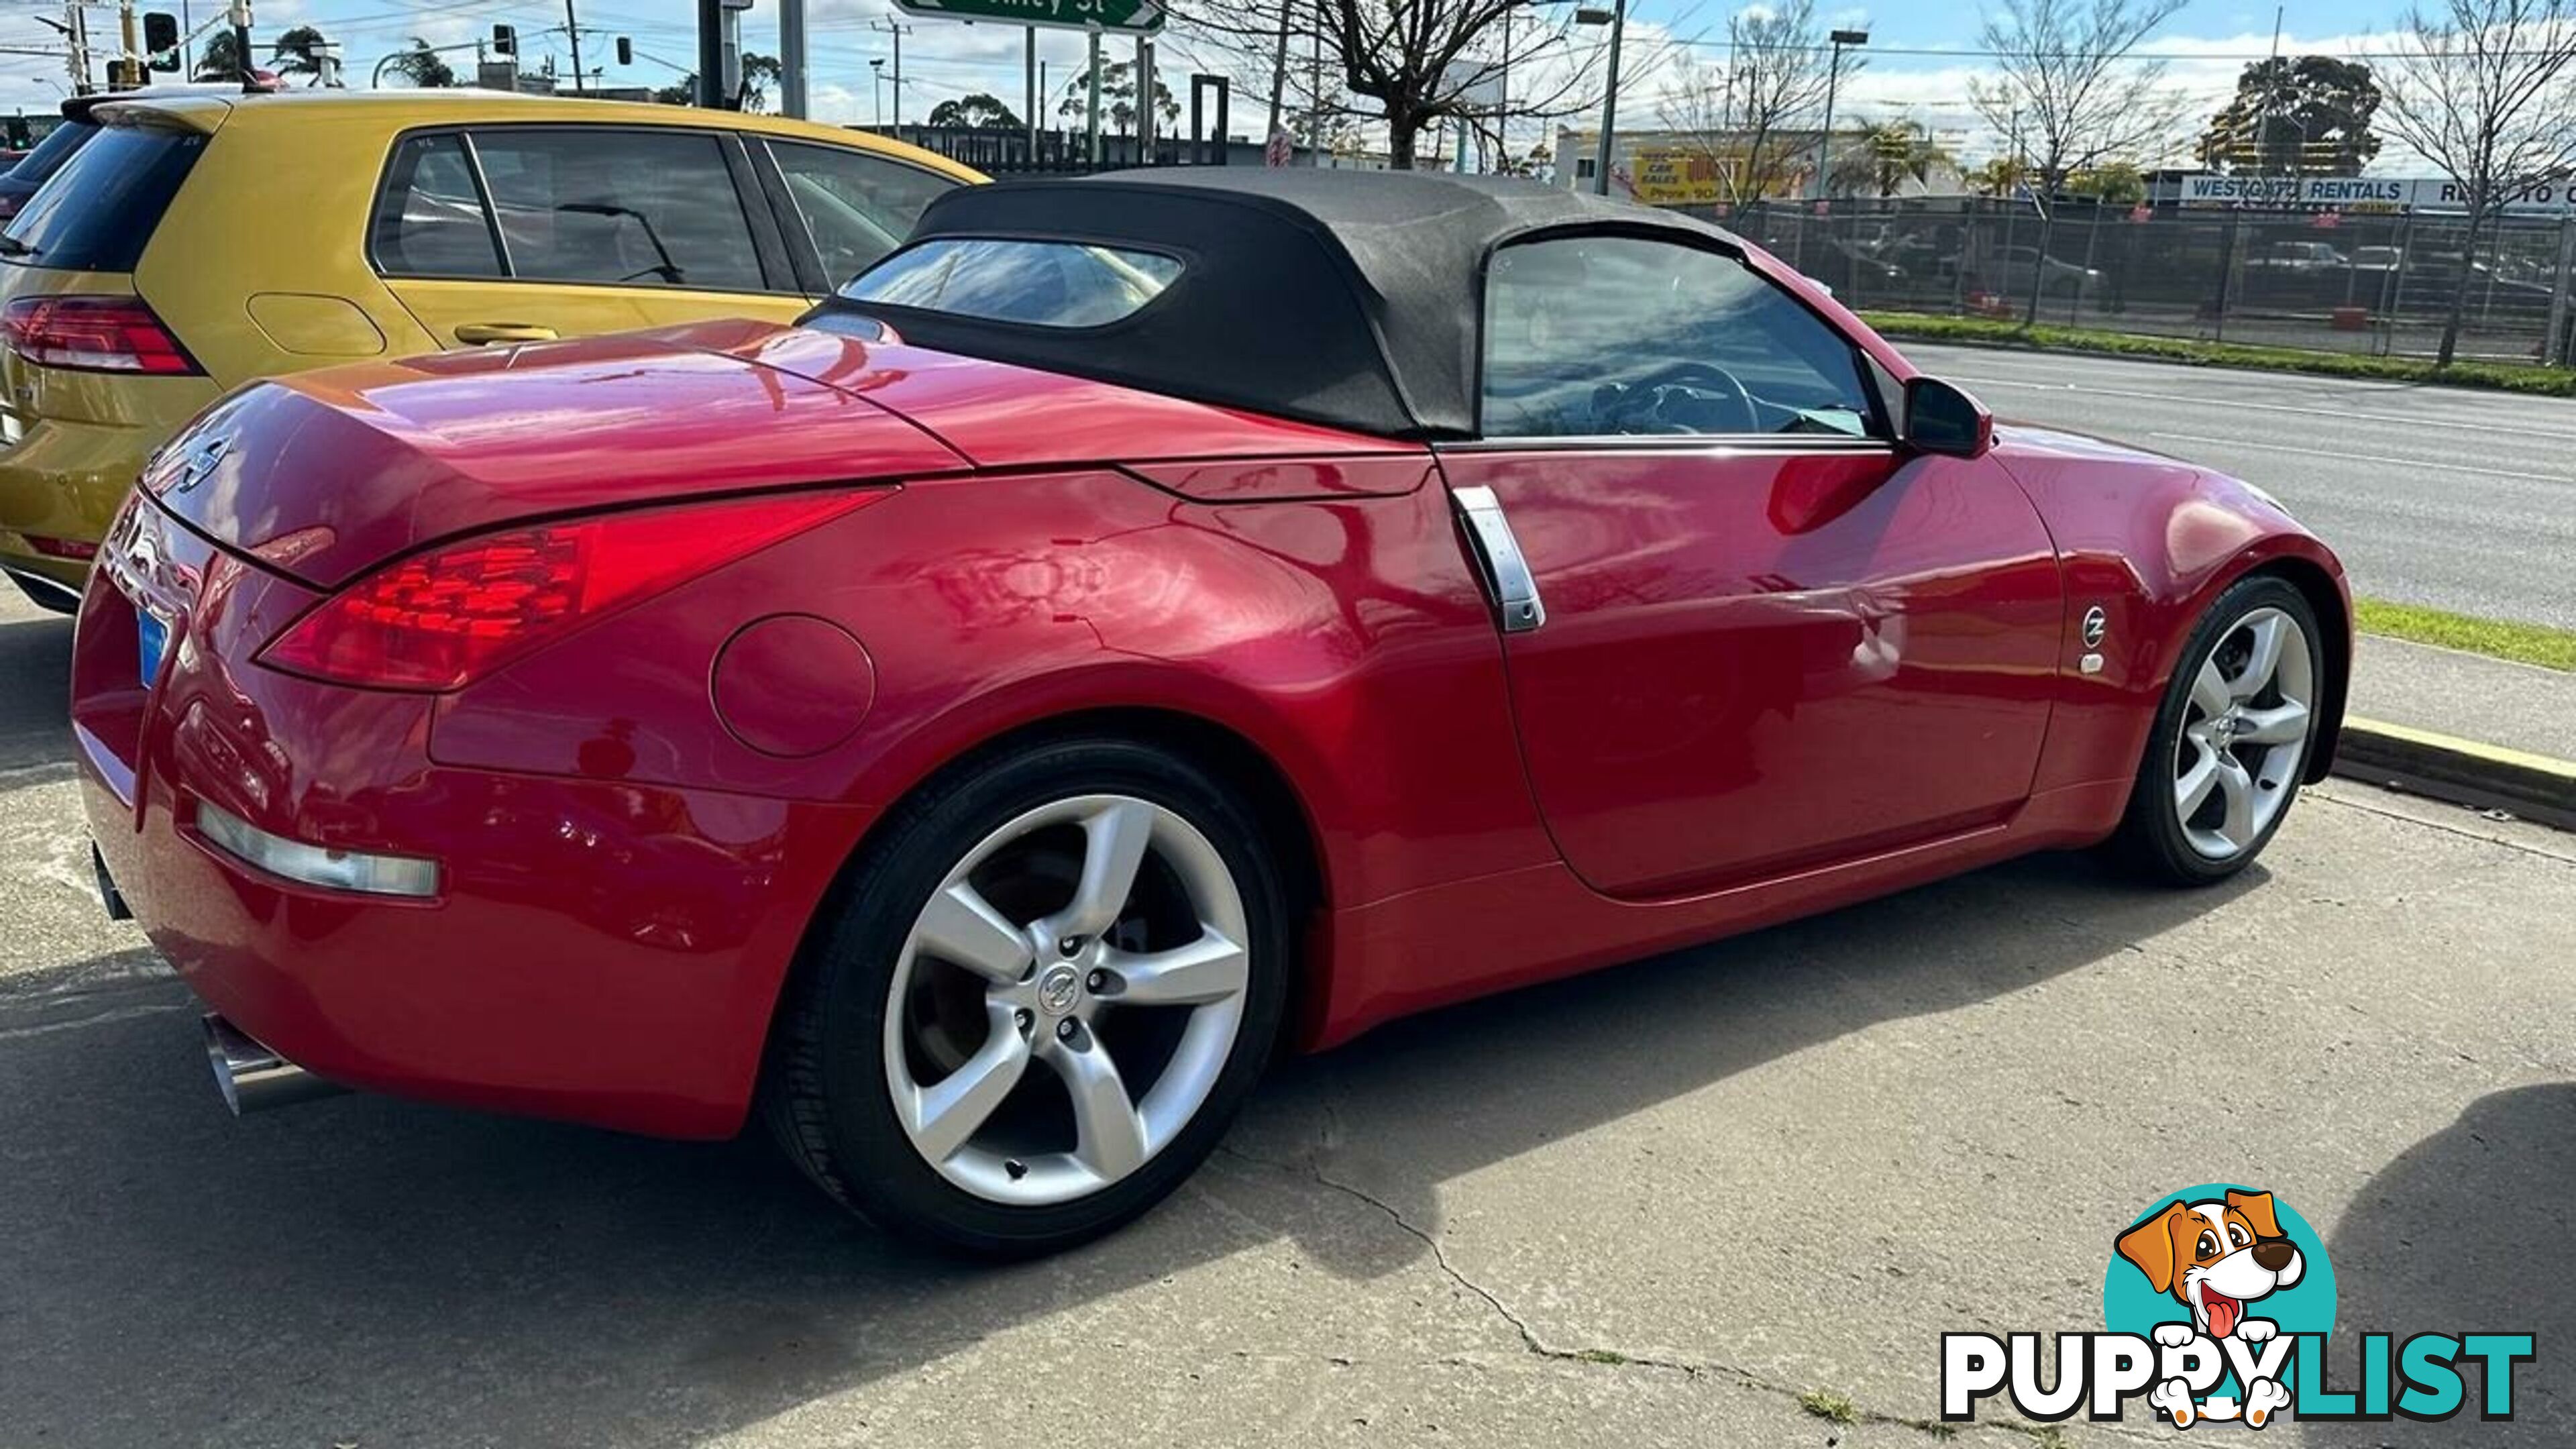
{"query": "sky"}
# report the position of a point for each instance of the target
(1904, 73)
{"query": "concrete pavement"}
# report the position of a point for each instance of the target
(1649, 1206)
(2494, 701)
(2447, 497)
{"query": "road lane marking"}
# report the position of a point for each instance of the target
(2519, 430)
(2337, 456)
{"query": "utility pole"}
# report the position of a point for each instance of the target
(76, 46)
(1618, 18)
(1093, 124)
(795, 63)
(1144, 101)
(719, 53)
(1833, 76)
(241, 39)
(898, 30)
(572, 27)
(129, 67)
(1029, 64)
(1279, 74)
(1315, 102)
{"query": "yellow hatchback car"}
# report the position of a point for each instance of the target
(201, 241)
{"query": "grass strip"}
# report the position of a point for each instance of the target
(2523, 643)
(2000, 332)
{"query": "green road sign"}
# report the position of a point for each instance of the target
(1137, 17)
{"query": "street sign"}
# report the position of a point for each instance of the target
(1134, 17)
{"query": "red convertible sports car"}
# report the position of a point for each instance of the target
(1146, 623)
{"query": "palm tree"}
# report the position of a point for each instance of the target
(1886, 155)
(422, 66)
(222, 60)
(299, 52)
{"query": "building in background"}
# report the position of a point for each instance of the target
(1716, 169)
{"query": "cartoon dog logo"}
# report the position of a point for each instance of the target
(2215, 1257)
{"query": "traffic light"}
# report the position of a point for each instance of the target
(625, 51)
(505, 39)
(161, 40)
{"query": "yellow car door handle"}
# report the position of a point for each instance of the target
(482, 334)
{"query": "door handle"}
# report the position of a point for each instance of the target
(481, 334)
(1498, 557)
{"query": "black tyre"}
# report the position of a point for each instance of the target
(2230, 742)
(1050, 983)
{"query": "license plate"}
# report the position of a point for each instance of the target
(152, 636)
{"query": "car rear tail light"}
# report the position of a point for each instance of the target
(70, 548)
(438, 620)
(95, 334)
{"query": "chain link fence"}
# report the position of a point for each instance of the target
(2363, 283)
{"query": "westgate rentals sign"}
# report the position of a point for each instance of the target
(2361, 193)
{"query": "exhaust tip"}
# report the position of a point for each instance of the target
(108, 895)
(254, 1078)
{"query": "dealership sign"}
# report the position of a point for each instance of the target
(1142, 17)
(2362, 193)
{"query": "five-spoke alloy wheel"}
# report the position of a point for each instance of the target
(2231, 740)
(1053, 988)
(1053, 983)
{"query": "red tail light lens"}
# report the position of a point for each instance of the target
(95, 334)
(439, 620)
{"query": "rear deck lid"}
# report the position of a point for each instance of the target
(326, 474)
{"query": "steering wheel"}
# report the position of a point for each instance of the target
(1702, 378)
(1646, 405)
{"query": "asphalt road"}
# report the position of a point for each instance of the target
(2449, 497)
(1651, 1206)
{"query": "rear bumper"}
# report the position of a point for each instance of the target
(63, 481)
(597, 951)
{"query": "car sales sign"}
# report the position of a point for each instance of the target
(1138, 17)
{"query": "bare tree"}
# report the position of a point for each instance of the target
(1747, 112)
(2067, 88)
(1416, 63)
(2481, 89)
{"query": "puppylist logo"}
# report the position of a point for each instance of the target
(2216, 1308)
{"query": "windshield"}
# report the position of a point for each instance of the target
(1034, 283)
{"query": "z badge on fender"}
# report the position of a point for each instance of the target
(2216, 1308)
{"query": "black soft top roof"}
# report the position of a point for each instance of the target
(1348, 298)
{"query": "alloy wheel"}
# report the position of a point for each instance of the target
(1066, 1000)
(2244, 733)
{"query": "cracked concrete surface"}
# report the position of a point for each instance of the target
(1652, 1206)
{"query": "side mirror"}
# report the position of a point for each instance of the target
(1941, 418)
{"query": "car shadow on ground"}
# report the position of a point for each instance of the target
(2468, 1231)
(35, 690)
(389, 1273)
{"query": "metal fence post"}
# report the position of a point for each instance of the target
(2092, 243)
(2553, 349)
(2393, 293)
(2226, 269)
